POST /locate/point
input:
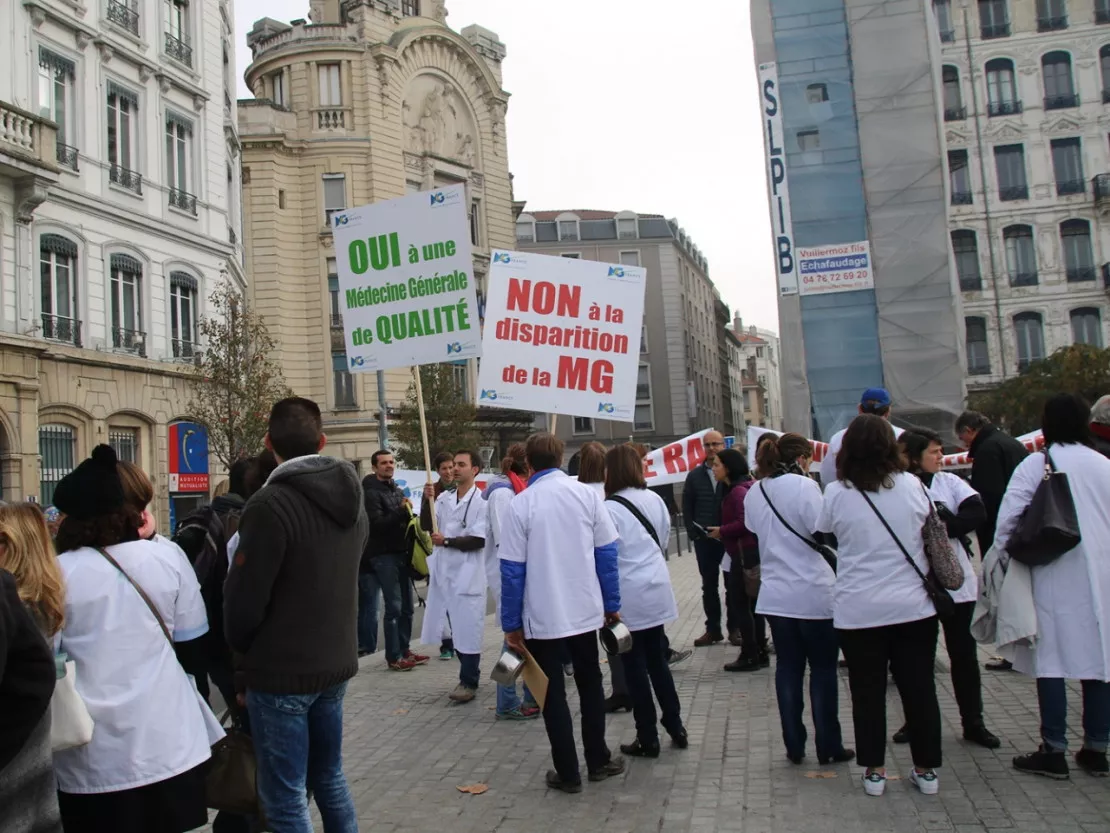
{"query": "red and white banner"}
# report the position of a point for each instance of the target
(672, 462)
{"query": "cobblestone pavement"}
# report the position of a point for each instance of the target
(407, 748)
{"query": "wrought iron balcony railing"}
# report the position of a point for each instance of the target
(1013, 192)
(1061, 102)
(1004, 108)
(123, 16)
(179, 50)
(67, 156)
(133, 341)
(126, 178)
(994, 30)
(61, 328)
(183, 201)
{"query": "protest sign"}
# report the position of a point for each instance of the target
(406, 285)
(562, 336)
(411, 483)
(672, 462)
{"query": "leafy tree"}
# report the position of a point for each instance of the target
(449, 418)
(1016, 404)
(236, 382)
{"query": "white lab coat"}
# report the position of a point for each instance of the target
(497, 503)
(647, 599)
(458, 591)
(1072, 594)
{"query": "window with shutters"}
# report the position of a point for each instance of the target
(1067, 164)
(1059, 87)
(965, 248)
(335, 196)
(183, 314)
(994, 19)
(123, 143)
(1029, 333)
(953, 96)
(179, 163)
(1021, 255)
(1086, 326)
(1002, 98)
(1079, 257)
(125, 292)
(1009, 164)
(1052, 15)
(58, 288)
(57, 100)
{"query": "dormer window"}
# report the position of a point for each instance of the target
(526, 229)
(628, 227)
(568, 227)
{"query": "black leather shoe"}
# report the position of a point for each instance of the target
(1093, 763)
(745, 664)
(618, 703)
(614, 767)
(902, 735)
(680, 739)
(557, 783)
(841, 757)
(980, 735)
(640, 750)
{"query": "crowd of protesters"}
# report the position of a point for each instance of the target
(150, 625)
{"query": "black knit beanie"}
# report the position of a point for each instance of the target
(92, 489)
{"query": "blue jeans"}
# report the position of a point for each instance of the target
(508, 699)
(369, 608)
(389, 572)
(1052, 695)
(798, 641)
(469, 671)
(298, 739)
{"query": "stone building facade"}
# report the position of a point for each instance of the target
(369, 100)
(119, 214)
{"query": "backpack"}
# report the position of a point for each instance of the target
(419, 545)
(203, 536)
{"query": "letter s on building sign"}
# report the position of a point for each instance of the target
(777, 186)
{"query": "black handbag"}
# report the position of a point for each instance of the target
(823, 550)
(1049, 526)
(942, 600)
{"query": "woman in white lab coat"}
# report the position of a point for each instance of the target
(647, 599)
(591, 466)
(1071, 595)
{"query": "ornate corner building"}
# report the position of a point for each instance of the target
(119, 214)
(369, 100)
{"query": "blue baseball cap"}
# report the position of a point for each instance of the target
(875, 397)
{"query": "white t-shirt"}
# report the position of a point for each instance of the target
(647, 598)
(553, 527)
(147, 714)
(875, 585)
(952, 490)
(828, 463)
(795, 581)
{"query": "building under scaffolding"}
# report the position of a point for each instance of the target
(852, 112)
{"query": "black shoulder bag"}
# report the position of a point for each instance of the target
(1049, 526)
(823, 550)
(638, 515)
(942, 600)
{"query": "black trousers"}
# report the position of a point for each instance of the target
(752, 625)
(908, 650)
(583, 651)
(616, 670)
(963, 657)
(646, 669)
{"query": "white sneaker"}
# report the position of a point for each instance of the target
(926, 781)
(874, 783)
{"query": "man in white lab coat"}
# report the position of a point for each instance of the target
(559, 584)
(459, 593)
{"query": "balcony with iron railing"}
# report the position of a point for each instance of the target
(122, 15)
(61, 328)
(991, 31)
(132, 341)
(183, 349)
(1004, 108)
(1068, 187)
(1081, 274)
(962, 198)
(1052, 24)
(1024, 279)
(955, 113)
(947, 35)
(67, 156)
(1013, 192)
(336, 320)
(1061, 102)
(978, 367)
(28, 143)
(183, 201)
(971, 283)
(179, 50)
(126, 178)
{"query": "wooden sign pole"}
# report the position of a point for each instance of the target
(424, 437)
(553, 422)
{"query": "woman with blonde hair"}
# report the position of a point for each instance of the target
(32, 599)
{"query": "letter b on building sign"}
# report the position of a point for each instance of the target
(786, 255)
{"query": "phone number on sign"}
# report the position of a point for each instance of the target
(838, 277)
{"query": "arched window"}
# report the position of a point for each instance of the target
(953, 97)
(1086, 326)
(978, 353)
(1104, 66)
(1059, 88)
(1079, 257)
(1029, 332)
(1002, 97)
(126, 294)
(965, 247)
(58, 287)
(1021, 255)
(184, 289)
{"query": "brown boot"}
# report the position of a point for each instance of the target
(708, 638)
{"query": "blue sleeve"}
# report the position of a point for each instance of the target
(512, 594)
(605, 562)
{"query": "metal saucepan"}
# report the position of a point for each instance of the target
(616, 638)
(509, 666)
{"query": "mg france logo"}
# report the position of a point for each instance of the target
(605, 407)
(491, 395)
(454, 347)
(357, 361)
(501, 257)
(340, 219)
(616, 272)
(437, 198)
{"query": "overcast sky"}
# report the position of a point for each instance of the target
(647, 105)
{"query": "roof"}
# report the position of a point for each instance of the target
(584, 214)
(748, 338)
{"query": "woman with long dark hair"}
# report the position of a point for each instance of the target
(742, 549)
(796, 596)
(963, 512)
(884, 617)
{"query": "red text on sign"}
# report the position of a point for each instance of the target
(544, 298)
(575, 374)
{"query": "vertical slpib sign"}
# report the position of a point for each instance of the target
(406, 285)
(562, 336)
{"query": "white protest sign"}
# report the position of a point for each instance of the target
(562, 336)
(411, 483)
(672, 462)
(406, 282)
